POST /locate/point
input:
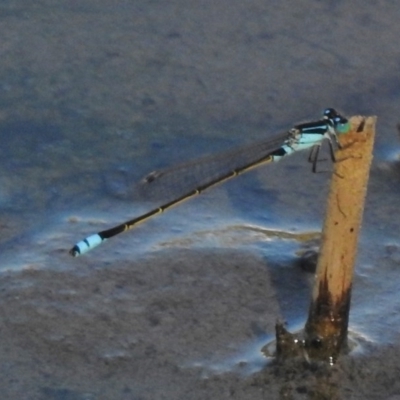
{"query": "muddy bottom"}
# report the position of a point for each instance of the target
(161, 328)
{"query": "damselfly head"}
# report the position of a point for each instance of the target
(339, 123)
(331, 113)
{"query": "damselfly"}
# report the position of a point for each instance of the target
(300, 137)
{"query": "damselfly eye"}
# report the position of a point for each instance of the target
(330, 113)
(340, 120)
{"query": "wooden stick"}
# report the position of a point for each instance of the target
(326, 328)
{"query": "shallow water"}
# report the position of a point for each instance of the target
(93, 97)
